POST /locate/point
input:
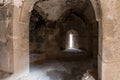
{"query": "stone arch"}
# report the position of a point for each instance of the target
(27, 7)
(24, 15)
(97, 8)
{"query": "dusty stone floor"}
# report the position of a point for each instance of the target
(58, 70)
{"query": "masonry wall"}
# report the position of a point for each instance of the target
(6, 42)
(110, 56)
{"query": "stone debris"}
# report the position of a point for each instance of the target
(88, 75)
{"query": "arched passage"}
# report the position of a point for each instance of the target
(22, 42)
(88, 29)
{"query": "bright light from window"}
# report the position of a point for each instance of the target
(70, 40)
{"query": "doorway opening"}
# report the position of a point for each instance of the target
(74, 30)
(71, 42)
(72, 39)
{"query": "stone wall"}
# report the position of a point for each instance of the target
(110, 57)
(6, 42)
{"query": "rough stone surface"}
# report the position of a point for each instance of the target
(110, 31)
(111, 39)
(6, 45)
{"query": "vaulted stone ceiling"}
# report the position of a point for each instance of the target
(54, 9)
